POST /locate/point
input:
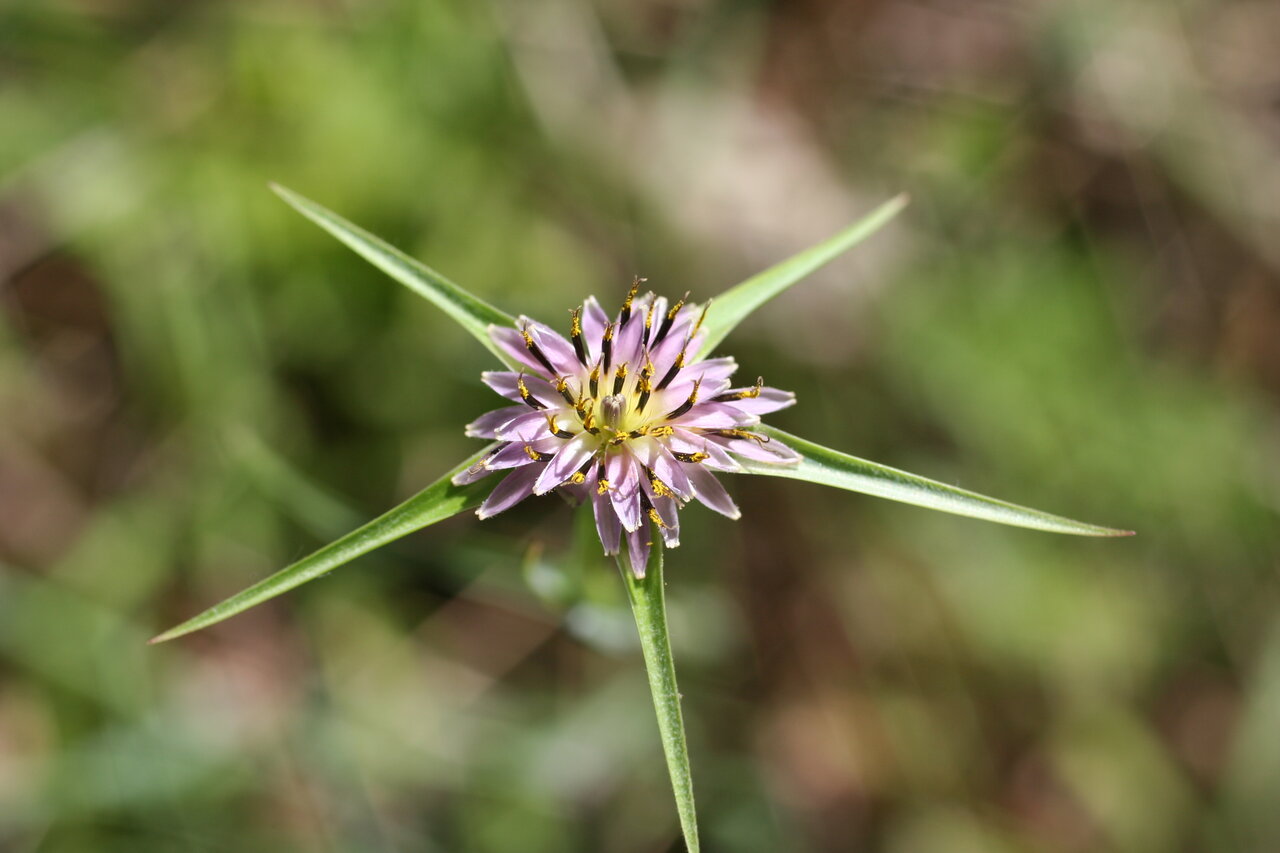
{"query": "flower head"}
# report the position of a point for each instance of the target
(622, 413)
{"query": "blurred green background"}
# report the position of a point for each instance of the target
(1080, 311)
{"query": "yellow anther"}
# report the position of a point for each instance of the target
(701, 317)
(699, 456)
(531, 453)
(635, 288)
(578, 478)
(603, 487)
(577, 322)
(647, 370)
(659, 431)
(660, 488)
(648, 318)
(675, 309)
(656, 519)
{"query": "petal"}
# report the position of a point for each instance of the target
(512, 343)
(514, 488)
(768, 400)
(475, 473)
(685, 441)
(529, 425)
(514, 455)
(654, 455)
(607, 523)
(488, 424)
(711, 493)
(760, 451)
(638, 544)
(570, 458)
(507, 383)
(553, 345)
(593, 322)
(623, 475)
(716, 416)
(628, 346)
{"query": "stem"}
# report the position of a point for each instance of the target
(649, 606)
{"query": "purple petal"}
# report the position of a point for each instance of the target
(769, 451)
(716, 416)
(529, 425)
(570, 458)
(623, 475)
(627, 344)
(474, 473)
(514, 488)
(507, 383)
(514, 455)
(511, 342)
(607, 523)
(638, 544)
(593, 322)
(685, 441)
(768, 400)
(652, 453)
(711, 493)
(554, 346)
(488, 424)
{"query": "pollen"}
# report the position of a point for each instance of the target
(532, 454)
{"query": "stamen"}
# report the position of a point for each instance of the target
(648, 319)
(607, 346)
(555, 430)
(675, 368)
(595, 380)
(575, 335)
(580, 476)
(698, 325)
(656, 519)
(603, 487)
(645, 390)
(743, 395)
(532, 454)
(536, 351)
(669, 319)
(687, 404)
(531, 400)
(626, 306)
(562, 385)
(740, 433)
(659, 488)
(691, 457)
(588, 417)
(620, 378)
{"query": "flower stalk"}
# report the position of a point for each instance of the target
(648, 604)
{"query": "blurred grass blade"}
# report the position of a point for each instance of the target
(649, 606)
(436, 502)
(735, 304)
(469, 311)
(833, 468)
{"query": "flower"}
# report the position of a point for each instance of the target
(624, 414)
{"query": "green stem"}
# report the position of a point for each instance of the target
(650, 609)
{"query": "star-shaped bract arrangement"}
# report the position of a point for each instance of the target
(632, 415)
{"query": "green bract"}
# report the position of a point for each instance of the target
(442, 499)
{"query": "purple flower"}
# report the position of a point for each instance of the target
(623, 414)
